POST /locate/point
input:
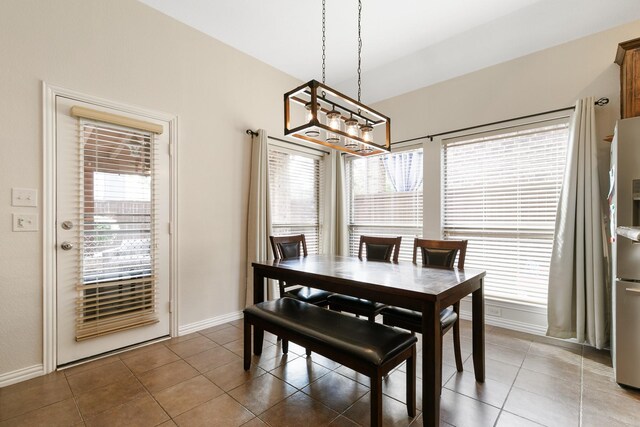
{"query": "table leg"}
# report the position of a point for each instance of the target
(478, 332)
(258, 296)
(431, 364)
(247, 345)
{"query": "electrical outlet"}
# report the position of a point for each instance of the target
(493, 311)
(25, 222)
(24, 197)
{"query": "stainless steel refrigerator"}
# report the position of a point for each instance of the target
(624, 205)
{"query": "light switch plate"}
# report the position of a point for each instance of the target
(25, 222)
(24, 197)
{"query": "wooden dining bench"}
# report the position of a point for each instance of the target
(369, 348)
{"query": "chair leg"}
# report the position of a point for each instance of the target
(247, 345)
(456, 338)
(285, 346)
(376, 400)
(411, 383)
(308, 352)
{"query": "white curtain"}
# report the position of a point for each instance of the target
(259, 217)
(577, 284)
(404, 170)
(335, 235)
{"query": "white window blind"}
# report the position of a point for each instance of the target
(295, 181)
(385, 198)
(500, 191)
(117, 290)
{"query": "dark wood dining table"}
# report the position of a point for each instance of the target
(402, 284)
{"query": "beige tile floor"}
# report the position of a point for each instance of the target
(198, 379)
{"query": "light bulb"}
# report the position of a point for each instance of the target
(309, 116)
(366, 131)
(333, 119)
(351, 126)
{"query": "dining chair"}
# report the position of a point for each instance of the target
(435, 254)
(383, 249)
(293, 247)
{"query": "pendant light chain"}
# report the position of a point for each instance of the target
(324, 38)
(359, 49)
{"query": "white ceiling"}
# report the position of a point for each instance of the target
(407, 44)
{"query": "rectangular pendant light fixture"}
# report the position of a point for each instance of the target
(316, 113)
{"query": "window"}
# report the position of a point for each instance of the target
(295, 180)
(385, 198)
(500, 191)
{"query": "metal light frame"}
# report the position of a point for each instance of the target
(319, 99)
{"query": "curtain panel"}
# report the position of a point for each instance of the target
(335, 232)
(577, 283)
(259, 216)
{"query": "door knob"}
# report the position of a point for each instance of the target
(66, 246)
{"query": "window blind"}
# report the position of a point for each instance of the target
(295, 181)
(500, 191)
(385, 198)
(117, 288)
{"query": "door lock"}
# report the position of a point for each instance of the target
(67, 225)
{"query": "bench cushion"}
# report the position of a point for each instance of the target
(372, 342)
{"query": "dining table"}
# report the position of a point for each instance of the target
(401, 284)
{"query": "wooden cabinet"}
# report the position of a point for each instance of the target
(628, 57)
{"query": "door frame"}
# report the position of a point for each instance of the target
(49, 189)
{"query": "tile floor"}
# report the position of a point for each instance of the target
(198, 379)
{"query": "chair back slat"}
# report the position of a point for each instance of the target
(440, 253)
(284, 247)
(380, 248)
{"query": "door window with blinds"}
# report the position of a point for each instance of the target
(117, 227)
(384, 198)
(295, 180)
(500, 191)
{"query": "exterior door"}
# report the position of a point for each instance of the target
(112, 229)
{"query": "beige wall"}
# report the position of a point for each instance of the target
(543, 81)
(123, 51)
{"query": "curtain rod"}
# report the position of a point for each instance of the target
(254, 133)
(600, 102)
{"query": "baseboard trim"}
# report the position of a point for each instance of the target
(508, 323)
(20, 375)
(207, 323)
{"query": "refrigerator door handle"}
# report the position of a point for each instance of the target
(634, 290)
